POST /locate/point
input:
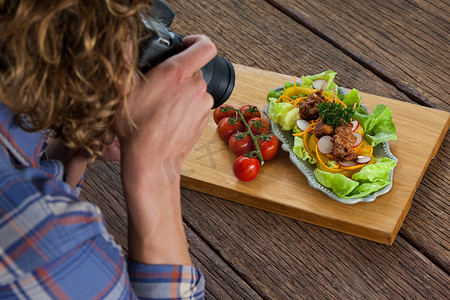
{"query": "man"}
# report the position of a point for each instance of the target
(68, 69)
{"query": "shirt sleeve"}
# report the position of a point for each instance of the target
(166, 281)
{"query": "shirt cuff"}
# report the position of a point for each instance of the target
(79, 186)
(166, 281)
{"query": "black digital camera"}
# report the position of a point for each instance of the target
(218, 73)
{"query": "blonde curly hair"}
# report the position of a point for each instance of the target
(62, 64)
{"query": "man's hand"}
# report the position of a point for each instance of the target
(170, 108)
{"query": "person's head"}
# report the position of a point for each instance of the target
(62, 64)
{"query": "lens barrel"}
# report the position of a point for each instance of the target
(163, 43)
(220, 78)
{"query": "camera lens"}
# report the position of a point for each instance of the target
(219, 76)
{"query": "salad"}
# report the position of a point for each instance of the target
(334, 132)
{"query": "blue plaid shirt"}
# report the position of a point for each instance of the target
(53, 245)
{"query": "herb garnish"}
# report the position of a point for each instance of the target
(335, 114)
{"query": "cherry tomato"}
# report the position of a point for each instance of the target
(245, 168)
(240, 143)
(268, 144)
(258, 125)
(223, 111)
(249, 111)
(227, 127)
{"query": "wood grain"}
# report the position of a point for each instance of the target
(282, 189)
(222, 280)
(283, 258)
(403, 42)
(253, 33)
(427, 223)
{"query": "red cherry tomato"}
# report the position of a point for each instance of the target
(223, 111)
(240, 143)
(258, 125)
(245, 168)
(249, 111)
(268, 144)
(227, 127)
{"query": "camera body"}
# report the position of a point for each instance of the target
(218, 73)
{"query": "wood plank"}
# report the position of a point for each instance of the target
(403, 42)
(283, 258)
(103, 188)
(252, 33)
(426, 226)
(222, 281)
(282, 189)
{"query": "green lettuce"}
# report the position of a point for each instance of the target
(300, 150)
(340, 184)
(351, 98)
(299, 147)
(369, 179)
(289, 84)
(284, 114)
(274, 94)
(378, 126)
(379, 171)
(328, 76)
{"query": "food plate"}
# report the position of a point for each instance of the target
(287, 144)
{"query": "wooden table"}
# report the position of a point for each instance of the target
(396, 49)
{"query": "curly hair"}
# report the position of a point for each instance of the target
(62, 64)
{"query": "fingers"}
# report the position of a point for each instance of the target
(199, 51)
(206, 98)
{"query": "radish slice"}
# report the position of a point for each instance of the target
(302, 124)
(359, 139)
(318, 84)
(325, 144)
(347, 163)
(363, 159)
(355, 125)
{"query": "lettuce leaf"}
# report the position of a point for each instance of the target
(351, 98)
(289, 84)
(379, 171)
(300, 151)
(340, 184)
(378, 126)
(299, 147)
(274, 94)
(328, 76)
(369, 179)
(284, 114)
(366, 189)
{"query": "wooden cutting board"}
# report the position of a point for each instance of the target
(282, 189)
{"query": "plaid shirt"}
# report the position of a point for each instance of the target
(55, 246)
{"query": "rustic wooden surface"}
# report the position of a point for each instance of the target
(395, 49)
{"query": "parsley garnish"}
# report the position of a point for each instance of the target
(334, 114)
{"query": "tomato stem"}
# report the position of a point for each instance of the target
(255, 141)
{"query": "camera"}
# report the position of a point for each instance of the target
(163, 43)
